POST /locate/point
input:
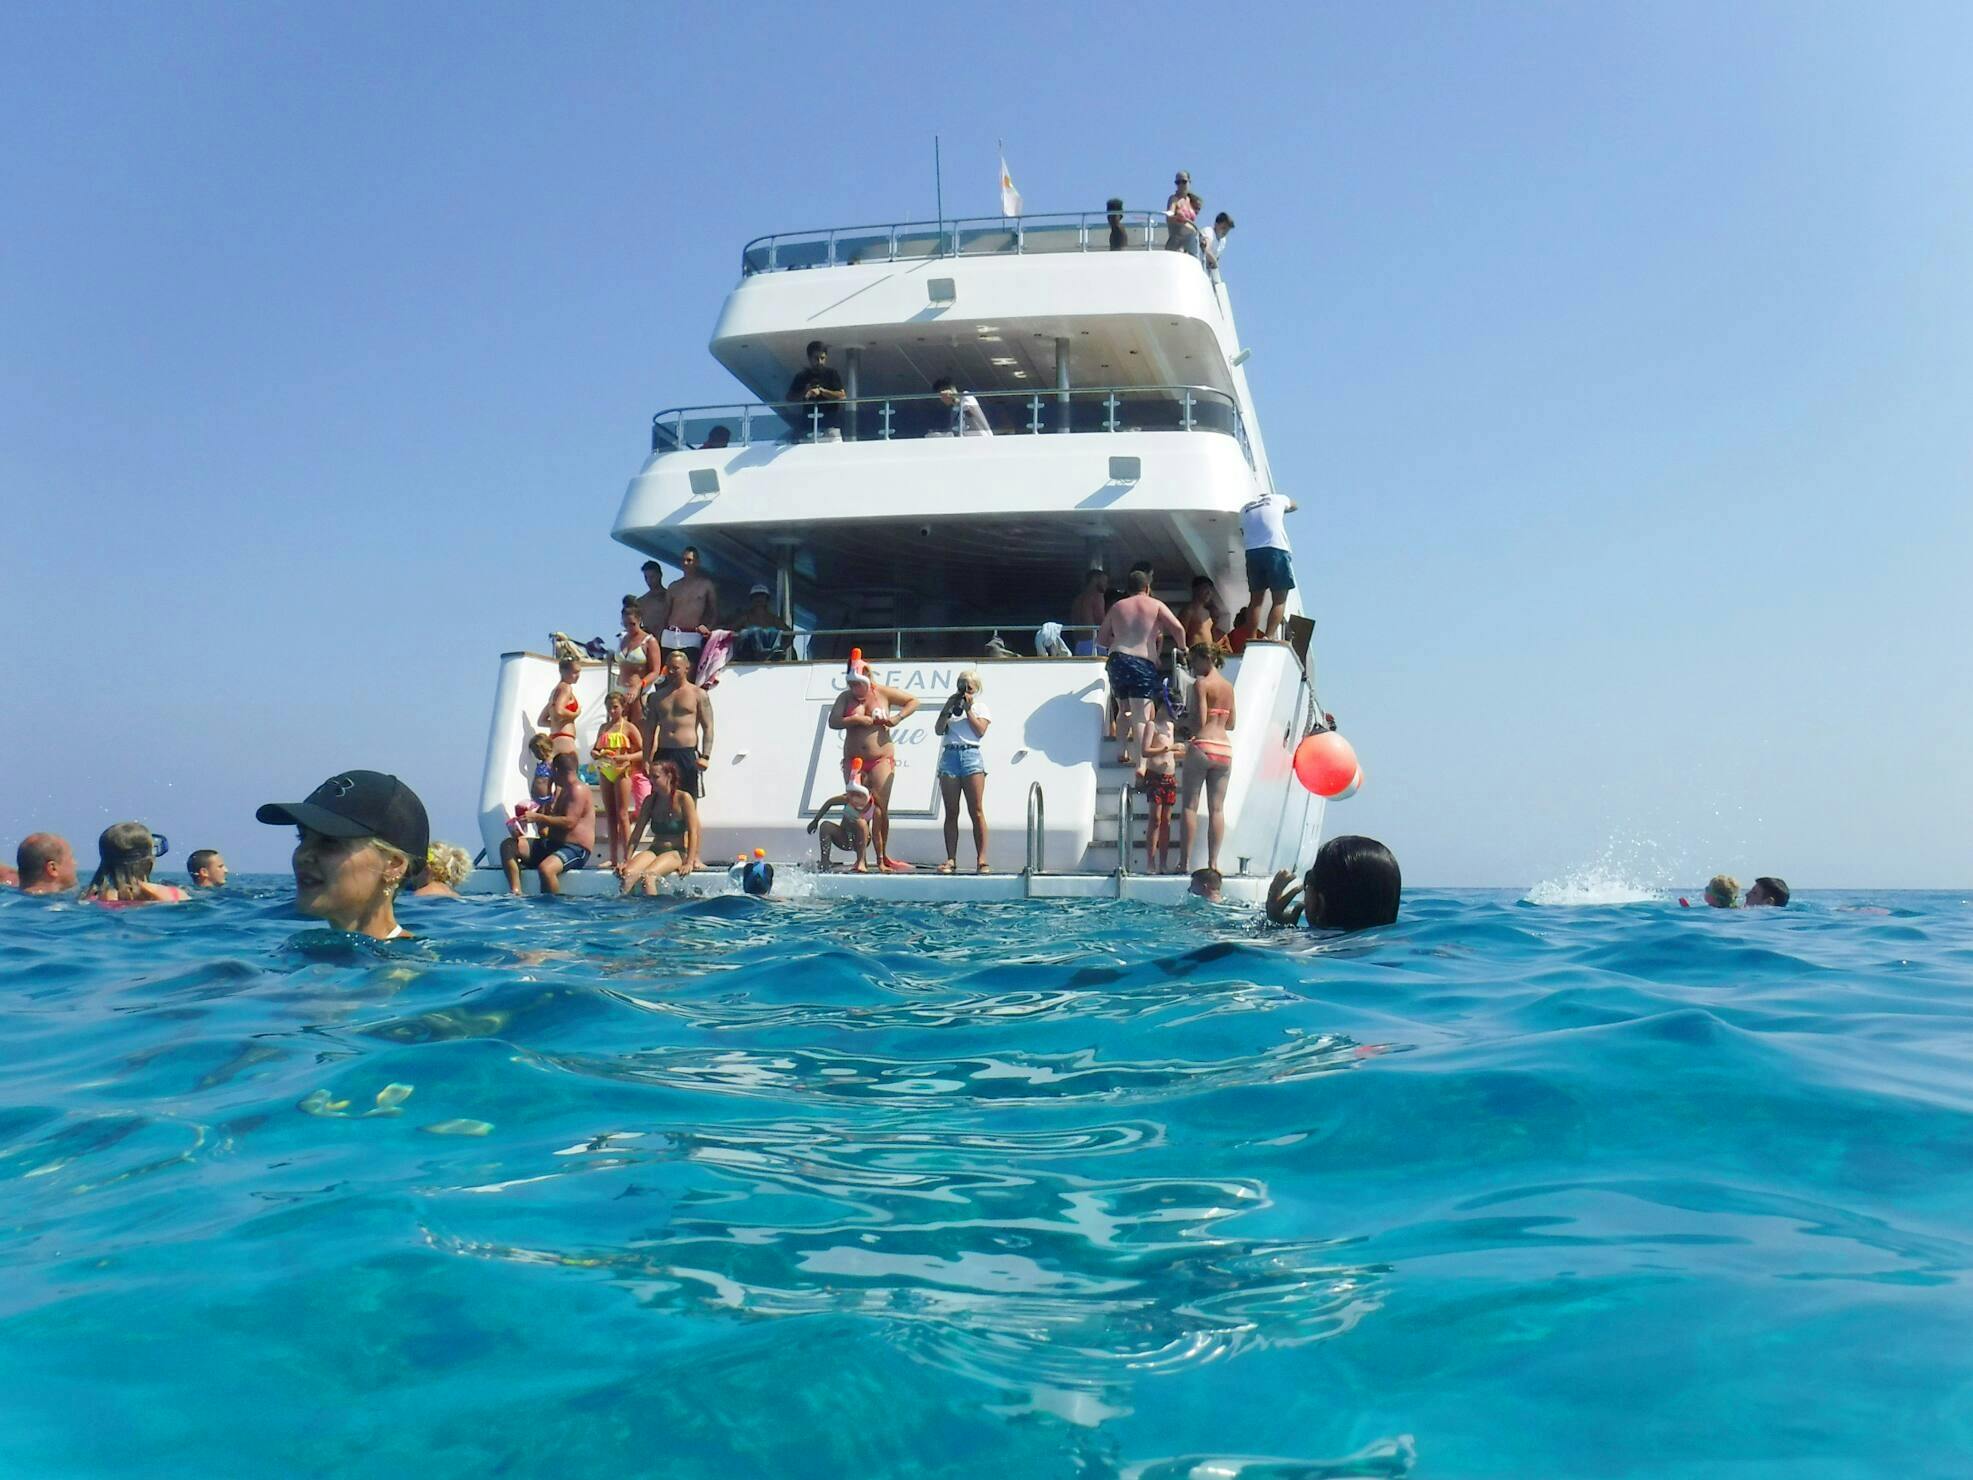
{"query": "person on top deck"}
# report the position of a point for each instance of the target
(1132, 631)
(126, 851)
(965, 408)
(817, 395)
(1086, 612)
(651, 606)
(691, 609)
(761, 635)
(361, 837)
(1204, 616)
(1353, 884)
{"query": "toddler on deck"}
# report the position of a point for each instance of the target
(541, 786)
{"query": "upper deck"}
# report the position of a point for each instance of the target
(998, 306)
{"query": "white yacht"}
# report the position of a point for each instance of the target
(1122, 430)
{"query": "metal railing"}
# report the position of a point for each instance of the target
(1125, 806)
(1017, 638)
(966, 236)
(1037, 829)
(1103, 408)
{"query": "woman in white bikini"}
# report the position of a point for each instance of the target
(866, 712)
(637, 656)
(1208, 757)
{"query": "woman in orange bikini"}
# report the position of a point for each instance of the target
(866, 712)
(1208, 758)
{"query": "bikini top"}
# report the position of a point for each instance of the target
(633, 658)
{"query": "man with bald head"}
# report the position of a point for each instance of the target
(47, 864)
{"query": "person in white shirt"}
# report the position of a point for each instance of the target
(972, 420)
(1269, 571)
(961, 726)
(1213, 242)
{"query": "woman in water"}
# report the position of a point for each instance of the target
(559, 714)
(637, 657)
(866, 712)
(673, 819)
(618, 753)
(962, 724)
(123, 876)
(446, 867)
(361, 837)
(1208, 756)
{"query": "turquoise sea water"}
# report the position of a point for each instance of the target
(715, 1188)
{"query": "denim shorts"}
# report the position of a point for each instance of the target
(1268, 570)
(961, 760)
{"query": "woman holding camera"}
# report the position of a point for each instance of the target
(961, 726)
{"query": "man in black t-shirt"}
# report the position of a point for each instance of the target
(818, 385)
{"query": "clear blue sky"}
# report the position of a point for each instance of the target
(1621, 359)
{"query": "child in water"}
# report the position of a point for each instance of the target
(1160, 788)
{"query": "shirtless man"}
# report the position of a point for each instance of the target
(1087, 611)
(691, 611)
(1132, 632)
(651, 605)
(1204, 616)
(568, 831)
(681, 724)
(558, 715)
(47, 864)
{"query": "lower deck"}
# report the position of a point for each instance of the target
(921, 886)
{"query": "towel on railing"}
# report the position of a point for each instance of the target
(1048, 641)
(713, 657)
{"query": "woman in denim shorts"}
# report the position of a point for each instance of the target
(962, 725)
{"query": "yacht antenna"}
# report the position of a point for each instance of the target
(938, 182)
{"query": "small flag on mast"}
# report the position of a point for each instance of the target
(1010, 198)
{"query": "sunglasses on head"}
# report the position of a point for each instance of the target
(160, 845)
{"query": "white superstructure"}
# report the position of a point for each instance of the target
(1123, 430)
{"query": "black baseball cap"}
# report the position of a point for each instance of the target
(360, 804)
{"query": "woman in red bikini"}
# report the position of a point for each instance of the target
(866, 712)
(1208, 758)
(559, 714)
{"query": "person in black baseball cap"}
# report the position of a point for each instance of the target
(364, 836)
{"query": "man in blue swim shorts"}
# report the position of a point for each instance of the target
(568, 832)
(1133, 631)
(1270, 574)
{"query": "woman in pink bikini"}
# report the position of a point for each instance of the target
(1208, 758)
(123, 876)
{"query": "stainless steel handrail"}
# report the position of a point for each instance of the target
(744, 423)
(1037, 829)
(1125, 806)
(765, 253)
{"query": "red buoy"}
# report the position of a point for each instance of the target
(1325, 764)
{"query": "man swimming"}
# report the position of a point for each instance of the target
(1132, 631)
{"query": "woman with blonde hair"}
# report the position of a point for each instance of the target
(446, 867)
(123, 875)
(361, 837)
(961, 726)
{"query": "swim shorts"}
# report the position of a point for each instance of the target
(1161, 788)
(572, 855)
(1132, 677)
(1268, 569)
(690, 777)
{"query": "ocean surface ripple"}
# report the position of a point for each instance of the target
(719, 1187)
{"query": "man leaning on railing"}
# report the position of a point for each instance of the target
(818, 389)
